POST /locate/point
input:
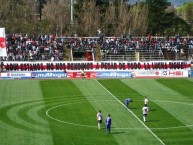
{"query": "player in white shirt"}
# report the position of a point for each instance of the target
(99, 119)
(145, 112)
(145, 100)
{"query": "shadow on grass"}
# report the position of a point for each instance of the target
(133, 108)
(153, 110)
(120, 132)
(152, 120)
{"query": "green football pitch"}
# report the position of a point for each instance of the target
(63, 112)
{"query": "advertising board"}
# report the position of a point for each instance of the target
(49, 75)
(159, 73)
(74, 75)
(113, 74)
(15, 75)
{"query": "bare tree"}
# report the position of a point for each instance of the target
(89, 19)
(56, 15)
(123, 18)
(138, 21)
(126, 19)
(109, 20)
(17, 17)
(23, 17)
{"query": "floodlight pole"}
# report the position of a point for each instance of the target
(72, 12)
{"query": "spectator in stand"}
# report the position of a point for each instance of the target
(99, 32)
(31, 47)
(22, 47)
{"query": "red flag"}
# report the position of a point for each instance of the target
(3, 51)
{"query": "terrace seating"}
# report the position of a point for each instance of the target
(48, 47)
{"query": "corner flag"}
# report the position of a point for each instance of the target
(3, 51)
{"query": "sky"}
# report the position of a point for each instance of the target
(174, 2)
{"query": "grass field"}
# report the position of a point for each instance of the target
(63, 112)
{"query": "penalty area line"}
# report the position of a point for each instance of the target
(131, 113)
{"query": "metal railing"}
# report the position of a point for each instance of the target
(132, 58)
(150, 56)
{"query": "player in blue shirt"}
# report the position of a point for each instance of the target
(108, 124)
(127, 101)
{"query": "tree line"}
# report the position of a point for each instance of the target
(112, 17)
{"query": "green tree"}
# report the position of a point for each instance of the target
(162, 18)
(186, 11)
(157, 15)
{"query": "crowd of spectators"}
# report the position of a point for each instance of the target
(124, 45)
(49, 47)
(146, 44)
(33, 47)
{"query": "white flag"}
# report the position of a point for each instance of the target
(3, 51)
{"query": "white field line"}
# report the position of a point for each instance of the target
(47, 113)
(132, 114)
(89, 126)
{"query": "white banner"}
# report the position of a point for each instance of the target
(3, 51)
(97, 66)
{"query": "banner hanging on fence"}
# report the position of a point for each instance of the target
(96, 66)
(3, 51)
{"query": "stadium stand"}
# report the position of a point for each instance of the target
(49, 47)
